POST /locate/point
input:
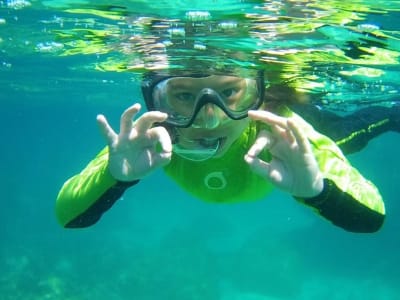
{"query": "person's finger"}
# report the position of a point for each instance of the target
(300, 138)
(105, 129)
(162, 159)
(278, 124)
(147, 120)
(161, 136)
(126, 118)
(265, 170)
(258, 166)
(283, 133)
(262, 141)
(286, 134)
(267, 117)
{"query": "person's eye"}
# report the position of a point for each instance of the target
(230, 93)
(185, 96)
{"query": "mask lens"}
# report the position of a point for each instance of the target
(182, 97)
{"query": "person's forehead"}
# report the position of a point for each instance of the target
(212, 80)
(205, 72)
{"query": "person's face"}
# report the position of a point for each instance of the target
(211, 123)
(200, 97)
(208, 113)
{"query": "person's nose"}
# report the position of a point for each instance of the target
(209, 117)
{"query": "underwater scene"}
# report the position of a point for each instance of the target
(64, 62)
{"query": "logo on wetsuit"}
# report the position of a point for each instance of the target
(215, 181)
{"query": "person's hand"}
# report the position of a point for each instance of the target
(293, 167)
(138, 148)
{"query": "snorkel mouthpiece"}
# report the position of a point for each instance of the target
(197, 150)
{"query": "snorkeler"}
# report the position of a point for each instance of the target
(221, 141)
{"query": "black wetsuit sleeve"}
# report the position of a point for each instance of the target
(104, 203)
(86, 196)
(344, 211)
(347, 199)
(350, 132)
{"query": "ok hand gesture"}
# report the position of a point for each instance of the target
(139, 148)
(293, 166)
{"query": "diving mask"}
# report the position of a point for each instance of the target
(188, 99)
(183, 97)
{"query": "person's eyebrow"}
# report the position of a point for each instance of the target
(230, 80)
(180, 84)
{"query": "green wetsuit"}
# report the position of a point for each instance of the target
(348, 200)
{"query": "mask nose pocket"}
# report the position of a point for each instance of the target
(209, 117)
(210, 114)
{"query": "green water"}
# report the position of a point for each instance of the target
(63, 62)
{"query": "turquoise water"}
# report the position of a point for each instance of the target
(63, 62)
